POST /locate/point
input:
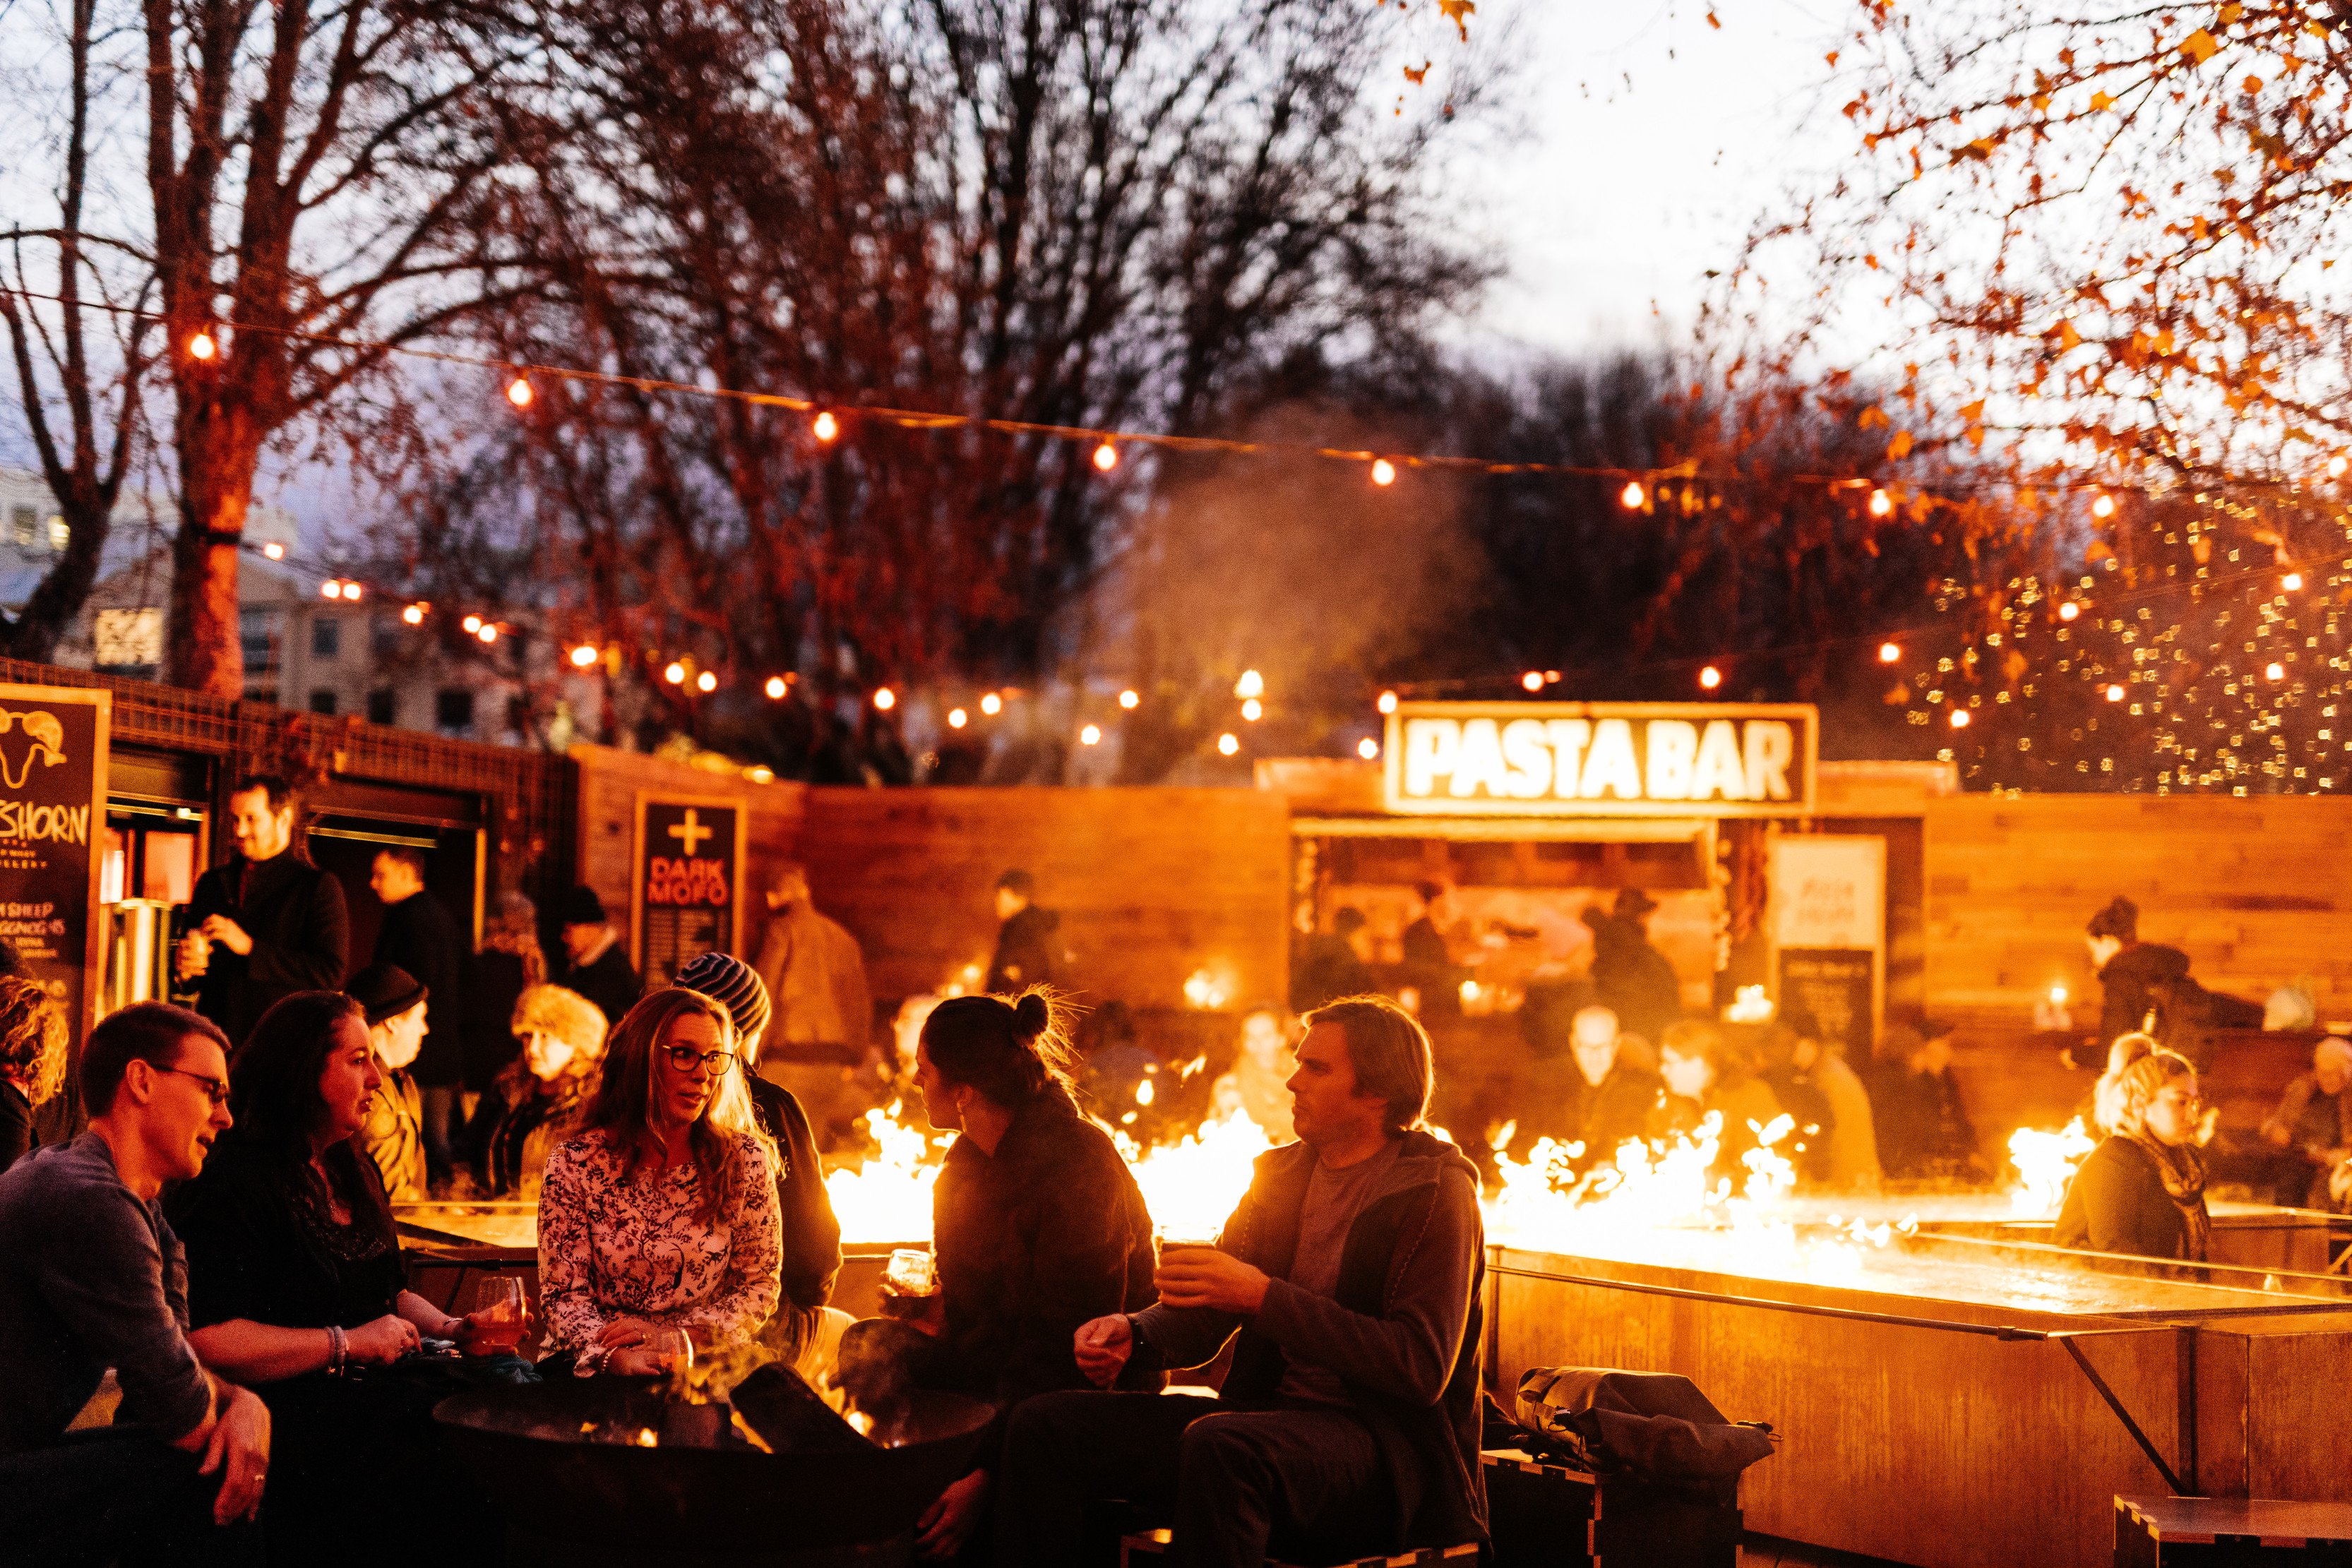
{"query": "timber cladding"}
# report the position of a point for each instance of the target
(610, 782)
(2254, 890)
(1151, 884)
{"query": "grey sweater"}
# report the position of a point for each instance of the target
(91, 1278)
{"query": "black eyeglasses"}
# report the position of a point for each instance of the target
(215, 1090)
(685, 1057)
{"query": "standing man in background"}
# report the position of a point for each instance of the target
(815, 975)
(419, 939)
(1026, 937)
(269, 922)
(594, 965)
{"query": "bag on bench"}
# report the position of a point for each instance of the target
(1651, 1426)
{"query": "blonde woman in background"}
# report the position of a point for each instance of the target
(2143, 1190)
(32, 1060)
(535, 1103)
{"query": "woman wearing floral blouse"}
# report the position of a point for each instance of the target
(658, 1231)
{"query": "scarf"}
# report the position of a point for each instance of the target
(2182, 1167)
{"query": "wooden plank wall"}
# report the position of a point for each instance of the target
(1151, 884)
(2255, 891)
(609, 782)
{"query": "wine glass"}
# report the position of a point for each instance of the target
(495, 1325)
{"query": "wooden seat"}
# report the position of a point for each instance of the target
(1148, 1545)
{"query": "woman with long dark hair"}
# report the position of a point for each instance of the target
(1037, 1224)
(659, 1237)
(294, 1282)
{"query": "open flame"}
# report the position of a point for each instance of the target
(2045, 1164)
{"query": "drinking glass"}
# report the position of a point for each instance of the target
(909, 1280)
(496, 1325)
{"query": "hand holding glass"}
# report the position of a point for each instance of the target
(497, 1324)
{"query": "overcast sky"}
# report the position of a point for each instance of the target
(1650, 142)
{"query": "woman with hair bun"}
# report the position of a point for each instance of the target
(1038, 1226)
(2143, 1190)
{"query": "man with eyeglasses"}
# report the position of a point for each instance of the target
(92, 1278)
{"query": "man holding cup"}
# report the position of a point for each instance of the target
(1350, 1280)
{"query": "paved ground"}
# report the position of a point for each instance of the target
(1765, 1551)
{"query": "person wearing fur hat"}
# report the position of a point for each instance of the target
(594, 966)
(534, 1102)
(802, 1326)
(392, 1136)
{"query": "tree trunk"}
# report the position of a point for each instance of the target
(207, 652)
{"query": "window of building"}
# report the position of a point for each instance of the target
(383, 635)
(322, 701)
(380, 706)
(60, 534)
(22, 521)
(326, 637)
(258, 627)
(453, 711)
(128, 639)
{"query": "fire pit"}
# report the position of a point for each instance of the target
(598, 1470)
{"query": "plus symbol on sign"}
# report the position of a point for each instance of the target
(691, 833)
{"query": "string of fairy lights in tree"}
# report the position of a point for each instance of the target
(2203, 700)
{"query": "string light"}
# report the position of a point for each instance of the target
(1959, 719)
(706, 681)
(885, 699)
(352, 591)
(1888, 653)
(675, 673)
(2115, 693)
(1251, 685)
(776, 687)
(473, 624)
(2339, 466)
(414, 613)
(1106, 457)
(1252, 710)
(330, 591)
(2277, 670)
(1632, 497)
(1882, 505)
(991, 705)
(2292, 582)
(583, 656)
(489, 633)
(1388, 702)
(957, 718)
(201, 346)
(519, 393)
(2068, 610)
(274, 550)
(1128, 699)
(2103, 507)
(1532, 680)
(1228, 743)
(825, 427)
(1368, 748)
(1710, 678)
(1383, 474)
(1090, 736)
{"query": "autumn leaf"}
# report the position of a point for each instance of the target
(1417, 76)
(1713, 20)
(2231, 13)
(1458, 12)
(2198, 45)
(2100, 100)
(1871, 418)
(1980, 149)
(1900, 447)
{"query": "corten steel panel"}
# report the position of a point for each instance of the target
(2298, 1417)
(1152, 883)
(1919, 1445)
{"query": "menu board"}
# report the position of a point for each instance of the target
(686, 883)
(53, 744)
(1828, 926)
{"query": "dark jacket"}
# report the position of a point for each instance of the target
(17, 1137)
(517, 1124)
(251, 1256)
(1402, 1334)
(2116, 1203)
(1562, 1106)
(1430, 969)
(812, 1234)
(1027, 946)
(1809, 1105)
(418, 935)
(1048, 1233)
(1923, 1127)
(1327, 969)
(609, 982)
(302, 938)
(1630, 977)
(493, 981)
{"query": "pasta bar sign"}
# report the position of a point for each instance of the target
(1601, 760)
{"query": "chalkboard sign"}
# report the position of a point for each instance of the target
(53, 744)
(687, 885)
(1837, 985)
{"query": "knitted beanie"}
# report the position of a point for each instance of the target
(733, 984)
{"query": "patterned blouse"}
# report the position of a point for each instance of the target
(611, 1246)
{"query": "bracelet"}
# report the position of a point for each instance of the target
(338, 1349)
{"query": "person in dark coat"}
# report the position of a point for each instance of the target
(509, 963)
(536, 1101)
(811, 1234)
(1028, 939)
(1331, 963)
(2310, 1133)
(1348, 1283)
(1923, 1130)
(1595, 1095)
(1038, 1226)
(268, 923)
(2145, 985)
(1428, 963)
(2143, 1190)
(418, 937)
(1630, 977)
(595, 967)
(32, 1061)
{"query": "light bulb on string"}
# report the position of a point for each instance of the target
(1882, 505)
(1252, 710)
(1959, 719)
(1710, 678)
(1251, 685)
(1128, 699)
(675, 673)
(706, 683)
(991, 705)
(776, 687)
(489, 633)
(1532, 680)
(1632, 497)
(1228, 743)
(1388, 702)
(274, 550)
(1888, 653)
(2103, 507)
(2292, 582)
(519, 393)
(583, 656)
(1368, 749)
(414, 613)
(1383, 474)
(2115, 693)
(352, 591)
(957, 718)
(1090, 736)
(2068, 610)
(1106, 457)
(473, 624)
(2339, 466)
(202, 348)
(825, 427)
(885, 699)
(330, 589)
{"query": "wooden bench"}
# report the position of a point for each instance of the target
(2230, 1532)
(1149, 1545)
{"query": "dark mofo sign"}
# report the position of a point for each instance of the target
(1601, 760)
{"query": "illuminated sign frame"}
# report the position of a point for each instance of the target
(1631, 746)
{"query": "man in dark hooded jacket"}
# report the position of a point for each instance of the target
(1349, 1280)
(1027, 940)
(2146, 987)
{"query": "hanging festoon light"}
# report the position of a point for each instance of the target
(1959, 719)
(957, 718)
(202, 346)
(885, 699)
(990, 704)
(1128, 699)
(2103, 507)
(1633, 495)
(2275, 671)
(1383, 473)
(518, 392)
(1882, 505)
(1532, 681)
(330, 589)
(352, 592)
(414, 613)
(2292, 582)
(2339, 466)
(706, 683)
(675, 674)
(1388, 702)
(1090, 736)
(1252, 710)
(489, 633)
(825, 427)
(274, 550)
(1368, 749)
(1228, 744)
(583, 656)
(776, 687)
(1251, 685)
(2069, 610)
(472, 623)
(2115, 693)
(1106, 457)
(1710, 678)
(1888, 653)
